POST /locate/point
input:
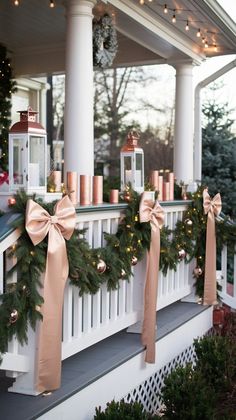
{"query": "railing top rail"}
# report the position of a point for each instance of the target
(6, 224)
(121, 206)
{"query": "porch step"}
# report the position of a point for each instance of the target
(86, 367)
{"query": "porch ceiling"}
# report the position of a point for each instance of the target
(35, 34)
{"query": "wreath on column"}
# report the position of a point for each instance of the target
(104, 42)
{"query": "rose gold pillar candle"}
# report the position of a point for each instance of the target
(98, 189)
(114, 196)
(160, 188)
(56, 176)
(85, 190)
(72, 186)
(166, 191)
(171, 181)
(154, 179)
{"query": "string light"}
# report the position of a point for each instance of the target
(206, 44)
(203, 40)
(16, 2)
(52, 4)
(141, 2)
(187, 26)
(174, 17)
(215, 47)
(165, 9)
(199, 33)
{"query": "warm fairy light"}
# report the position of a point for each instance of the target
(52, 4)
(199, 33)
(16, 2)
(187, 26)
(141, 2)
(203, 40)
(215, 47)
(206, 44)
(174, 18)
(165, 9)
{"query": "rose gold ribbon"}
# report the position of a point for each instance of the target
(212, 208)
(154, 215)
(61, 225)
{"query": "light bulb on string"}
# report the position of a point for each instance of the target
(187, 26)
(203, 40)
(174, 18)
(199, 33)
(16, 2)
(165, 9)
(215, 47)
(141, 2)
(52, 4)
(206, 44)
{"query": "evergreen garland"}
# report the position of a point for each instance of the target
(20, 304)
(7, 87)
(104, 42)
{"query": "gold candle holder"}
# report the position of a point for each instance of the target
(160, 188)
(154, 175)
(98, 189)
(114, 196)
(166, 191)
(171, 180)
(72, 186)
(85, 190)
(56, 176)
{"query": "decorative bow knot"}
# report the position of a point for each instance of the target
(212, 207)
(154, 215)
(61, 225)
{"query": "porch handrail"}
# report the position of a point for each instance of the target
(91, 318)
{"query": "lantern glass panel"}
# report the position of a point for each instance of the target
(17, 162)
(37, 161)
(127, 169)
(139, 170)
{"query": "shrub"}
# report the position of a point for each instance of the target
(187, 396)
(122, 411)
(214, 361)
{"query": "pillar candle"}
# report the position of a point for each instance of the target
(166, 191)
(160, 188)
(56, 176)
(85, 190)
(171, 181)
(114, 196)
(154, 179)
(72, 186)
(98, 189)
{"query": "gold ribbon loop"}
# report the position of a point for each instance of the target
(61, 225)
(154, 215)
(212, 207)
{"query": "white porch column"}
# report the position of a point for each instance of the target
(183, 132)
(79, 137)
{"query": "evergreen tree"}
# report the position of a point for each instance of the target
(219, 155)
(7, 87)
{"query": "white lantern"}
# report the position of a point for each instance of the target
(132, 163)
(27, 154)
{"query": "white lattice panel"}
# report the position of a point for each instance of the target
(148, 392)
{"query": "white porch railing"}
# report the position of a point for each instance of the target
(228, 292)
(89, 319)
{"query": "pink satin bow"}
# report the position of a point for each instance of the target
(154, 215)
(212, 208)
(61, 225)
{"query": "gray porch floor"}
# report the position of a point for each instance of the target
(87, 366)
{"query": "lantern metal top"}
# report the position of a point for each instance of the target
(131, 142)
(27, 123)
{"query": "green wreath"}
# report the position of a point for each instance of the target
(104, 42)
